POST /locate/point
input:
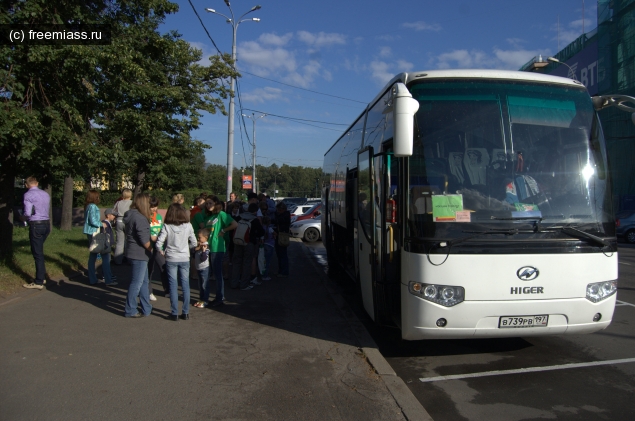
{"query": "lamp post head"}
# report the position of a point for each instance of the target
(257, 7)
(555, 60)
(256, 19)
(210, 10)
(227, 3)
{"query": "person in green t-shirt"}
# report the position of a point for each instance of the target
(219, 223)
(200, 219)
(156, 223)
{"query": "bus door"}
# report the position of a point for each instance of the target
(366, 232)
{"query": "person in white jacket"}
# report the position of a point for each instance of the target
(178, 236)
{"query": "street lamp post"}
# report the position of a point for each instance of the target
(275, 184)
(242, 169)
(253, 118)
(555, 60)
(230, 127)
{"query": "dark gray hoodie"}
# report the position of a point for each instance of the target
(137, 234)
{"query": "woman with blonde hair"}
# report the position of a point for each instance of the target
(120, 209)
(138, 252)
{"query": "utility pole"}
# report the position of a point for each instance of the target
(230, 127)
(254, 119)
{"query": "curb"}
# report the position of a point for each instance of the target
(405, 399)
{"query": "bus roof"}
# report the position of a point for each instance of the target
(477, 74)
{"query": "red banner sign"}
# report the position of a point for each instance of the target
(247, 182)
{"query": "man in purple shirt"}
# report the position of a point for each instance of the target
(36, 211)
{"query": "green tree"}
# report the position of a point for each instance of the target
(125, 109)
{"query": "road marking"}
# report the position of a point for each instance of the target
(623, 303)
(624, 263)
(526, 370)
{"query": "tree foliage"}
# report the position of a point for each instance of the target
(122, 110)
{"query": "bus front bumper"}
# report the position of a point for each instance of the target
(480, 319)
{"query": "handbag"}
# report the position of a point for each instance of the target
(262, 261)
(283, 239)
(99, 242)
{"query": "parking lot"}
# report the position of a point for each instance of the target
(584, 377)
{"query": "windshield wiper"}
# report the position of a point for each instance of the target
(574, 232)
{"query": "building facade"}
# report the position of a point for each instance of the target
(604, 61)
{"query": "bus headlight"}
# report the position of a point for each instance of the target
(445, 295)
(598, 291)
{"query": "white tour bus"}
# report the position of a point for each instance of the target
(488, 214)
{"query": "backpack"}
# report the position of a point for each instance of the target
(241, 234)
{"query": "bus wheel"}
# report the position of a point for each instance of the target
(630, 237)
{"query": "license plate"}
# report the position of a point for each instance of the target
(523, 321)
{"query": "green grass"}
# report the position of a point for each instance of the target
(66, 253)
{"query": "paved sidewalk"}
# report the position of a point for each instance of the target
(282, 351)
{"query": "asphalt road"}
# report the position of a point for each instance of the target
(599, 386)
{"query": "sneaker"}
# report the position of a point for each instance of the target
(152, 297)
(247, 288)
(33, 285)
(217, 303)
(255, 281)
(267, 278)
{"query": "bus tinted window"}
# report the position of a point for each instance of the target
(491, 152)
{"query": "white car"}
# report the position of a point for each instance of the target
(308, 229)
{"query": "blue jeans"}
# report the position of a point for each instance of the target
(138, 288)
(268, 257)
(176, 271)
(37, 236)
(283, 260)
(216, 262)
(105, 267)
(203, 284)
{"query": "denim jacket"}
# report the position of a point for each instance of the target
(92, 222)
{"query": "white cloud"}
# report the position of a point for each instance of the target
(497, 59)
(321, 39)
(462, 59)
(422, 26)
(513, 60)
(260, 95)
(385, 51)
(254, 54)
(309, 72)
(277, 40)
(404, 66)
(380, 71)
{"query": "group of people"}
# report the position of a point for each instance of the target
(211, 238)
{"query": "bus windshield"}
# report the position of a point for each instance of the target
(496, 154)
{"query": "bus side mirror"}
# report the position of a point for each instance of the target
(404, 107)
(623, 102)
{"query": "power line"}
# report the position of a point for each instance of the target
(296, 119)
(339, 104)
(203, 25)
(304, 89)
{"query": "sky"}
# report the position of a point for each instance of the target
(312, 66)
